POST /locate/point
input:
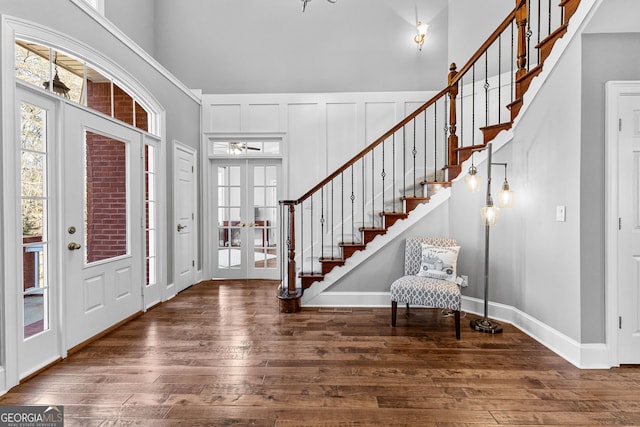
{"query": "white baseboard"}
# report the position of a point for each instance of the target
(583, 356)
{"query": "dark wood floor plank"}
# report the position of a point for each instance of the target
(221, 354)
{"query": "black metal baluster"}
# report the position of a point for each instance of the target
(529, 33)
(549, 24)
(435, 140)
(342, 208)
(310, 237)
(461, 85)
(512, 61)
(473, 105)
(333, 224)
(322, 221)
(486, 88)
(404, 163)
(393, 152)
(383, 174)
(425, 145)
(302, 235)
(373, 188)
(414, 152)
(500, 78)
(445, 129)
(353, 208)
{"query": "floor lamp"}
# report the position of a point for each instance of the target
(489, 214)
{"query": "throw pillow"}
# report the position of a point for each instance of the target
(439, 262)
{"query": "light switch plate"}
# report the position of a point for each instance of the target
(561, 213)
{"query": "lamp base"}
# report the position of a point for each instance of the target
(487, 326)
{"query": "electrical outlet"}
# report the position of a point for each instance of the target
(561, 213)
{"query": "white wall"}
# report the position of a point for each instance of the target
(136, 19)
(323, 130)
(470, 23)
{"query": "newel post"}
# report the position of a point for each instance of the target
(521, 22)
(453, 138)
(289, 297)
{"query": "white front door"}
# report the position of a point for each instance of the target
(629, 236)
(185, 202)
(246, 204)
(102, 228)
(39, 289)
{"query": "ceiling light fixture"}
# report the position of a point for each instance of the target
(304, 3)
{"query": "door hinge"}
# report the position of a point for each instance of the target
(193, 216)
(619, 125)
(192, 170)
(619, 322)
(193, 263)
(619, 223)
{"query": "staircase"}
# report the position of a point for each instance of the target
(420, 155)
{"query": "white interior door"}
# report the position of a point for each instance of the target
(185, 203)
(246, 204)
(102, 196)
(629, 236)
(39, 289)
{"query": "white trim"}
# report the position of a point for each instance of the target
(583, 356)
(126, 40)
(614, 89)
(193, 152)
(40, 34)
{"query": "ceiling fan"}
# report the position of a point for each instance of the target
(237, 147)
(304, 3)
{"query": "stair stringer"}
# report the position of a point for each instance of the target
(576, 25)
(310, 296)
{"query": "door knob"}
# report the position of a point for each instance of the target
(74, 246)
(181, 227)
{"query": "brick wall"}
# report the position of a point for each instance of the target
(106, 174)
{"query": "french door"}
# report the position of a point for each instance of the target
(246, 205)
(103, 253)
(39, 287)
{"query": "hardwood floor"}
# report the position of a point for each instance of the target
(220, 354)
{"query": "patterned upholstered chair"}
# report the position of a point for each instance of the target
(424, 291)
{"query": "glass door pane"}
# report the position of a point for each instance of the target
(265, 212)
(106, 207)
(33, 159)
(230, 222)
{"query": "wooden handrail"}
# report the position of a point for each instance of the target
(374, 144)
(452, 85)
(492, 38)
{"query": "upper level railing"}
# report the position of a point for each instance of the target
(362, 197)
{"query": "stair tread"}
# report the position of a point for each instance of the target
(533, 71)
(398, 214)
(561, 29)
(443, 183)
(472, 147)
(415, 197)
(351, 245)
(329, 260)
(505, 125)
(311, 275)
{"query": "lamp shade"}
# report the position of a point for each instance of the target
(472, 181)
(505, 196)
(490, 214)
